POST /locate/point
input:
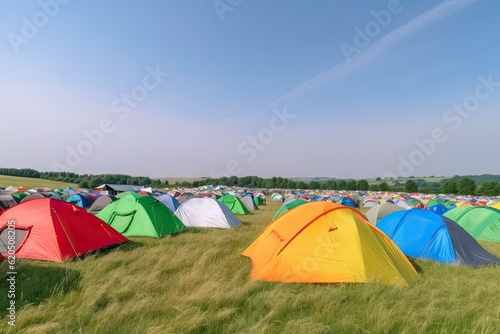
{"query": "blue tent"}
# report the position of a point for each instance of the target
(439, 209)
(80, 200)
(425, 234)
(169, 201)
(348, 202)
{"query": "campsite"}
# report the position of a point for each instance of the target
(260, 167)
(200, 279)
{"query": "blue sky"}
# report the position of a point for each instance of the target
(225, 69)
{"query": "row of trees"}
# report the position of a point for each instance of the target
(22, 172)
(455, 185)
(92, 181)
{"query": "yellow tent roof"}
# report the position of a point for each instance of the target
(324, 242)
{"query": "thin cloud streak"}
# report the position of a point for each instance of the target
(436, 13)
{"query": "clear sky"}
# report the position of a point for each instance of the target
(346, 89)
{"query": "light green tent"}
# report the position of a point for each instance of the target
(483, 223)
(235, 205)
(436, 201)
(136, 215)
(289, 206)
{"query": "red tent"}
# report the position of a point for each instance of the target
(54, 230)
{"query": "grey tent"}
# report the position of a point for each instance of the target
(7, 200)
(101, 203)
(33, 196)
(184, 197)
(249, 203)
(378, 212)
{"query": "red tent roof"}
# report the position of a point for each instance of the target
(54, 230)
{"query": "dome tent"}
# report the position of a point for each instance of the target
(324, 242)
(289, 206)
(101, 203)
(424, 234)
(378, 212)
(141, 216)
(483, 223)
(234, 204)
(54, 230)
(169, 201)
(206, 212)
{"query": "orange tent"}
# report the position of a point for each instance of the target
(324, 242)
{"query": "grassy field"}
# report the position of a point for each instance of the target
(30, 183)
(198, 282)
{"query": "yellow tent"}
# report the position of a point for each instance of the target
(495, 205)
(324, 242)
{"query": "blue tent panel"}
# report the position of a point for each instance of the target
(425, 234)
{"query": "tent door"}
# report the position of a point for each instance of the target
(121, 221)
(12, 237)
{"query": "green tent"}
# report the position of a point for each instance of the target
(258, 200)
(20, 195)
(289, 206)
(436, 201)
(483, 223)
(235, 205)
(136, 215)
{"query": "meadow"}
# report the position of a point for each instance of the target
(197, 282)
(29, 183)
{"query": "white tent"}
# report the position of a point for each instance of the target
(370, 203)
(206, 212)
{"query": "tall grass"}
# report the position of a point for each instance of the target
(197, 282)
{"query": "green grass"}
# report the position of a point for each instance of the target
(29, 183)
(198, 282)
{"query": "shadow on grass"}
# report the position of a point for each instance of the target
(197, 230)
(415, 265)
(35, 283)
(119, 248)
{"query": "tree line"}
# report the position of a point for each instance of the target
(85, 180)
(457, 185)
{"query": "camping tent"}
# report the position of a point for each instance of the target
(7, 200)
(101, 203)
(324, 242)
(258, 200)
(141, 216)
(277, 197)
(370, 202)
(425, 234)
(438, 208)
(483, 223)
(249, 203)
(348, 202)
(377, 213)
(206, 212)
(54, 230)
(80, 199)
(184, 197)
(289, 206)
(169, 201)
(33, 196)
(234, 204)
